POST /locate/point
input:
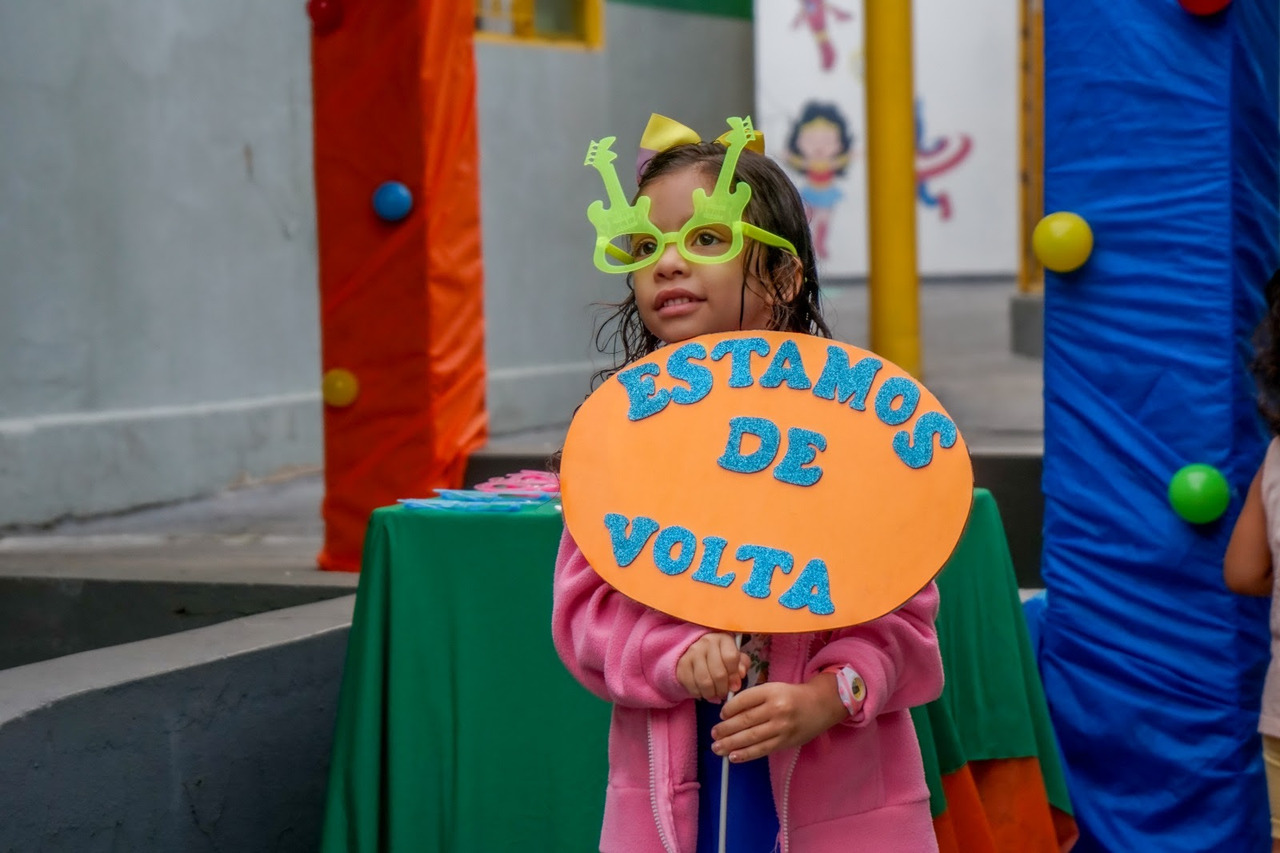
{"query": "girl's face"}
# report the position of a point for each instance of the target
(678, 300)
(819, 141)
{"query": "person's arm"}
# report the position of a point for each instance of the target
(777, 715)
(896, 657)
(1246, 567)
(617, 648)
(713, 667)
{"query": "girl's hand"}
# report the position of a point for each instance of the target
(712, 667)
(777, 715)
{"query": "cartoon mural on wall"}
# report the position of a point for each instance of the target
(819, 148)
(935, 158)
(965, 149)
(813, 13)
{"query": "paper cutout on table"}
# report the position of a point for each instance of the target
(765, 482)
(467, 500)
(465, 506)
(524, 482)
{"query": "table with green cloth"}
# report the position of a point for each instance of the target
(459, 729)
(987, 741)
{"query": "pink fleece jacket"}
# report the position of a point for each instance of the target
(858, 787)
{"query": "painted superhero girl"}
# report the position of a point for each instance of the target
(814, 14)
(934, 158)
(819, 148)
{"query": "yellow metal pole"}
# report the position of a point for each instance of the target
(1030, 272)
(893, 277)
(593, 23)
(522, 18)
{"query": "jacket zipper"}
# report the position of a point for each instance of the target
(786, 802)
(653, 783)
(791, 769)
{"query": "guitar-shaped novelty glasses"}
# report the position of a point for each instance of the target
(718, 215)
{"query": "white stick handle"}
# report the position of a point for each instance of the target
(724, 777)
(724, 801)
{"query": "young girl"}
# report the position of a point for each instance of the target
(1255, 542)
(823, 754)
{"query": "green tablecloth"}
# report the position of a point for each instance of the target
(459, 729)
(993, 693)
(993, 704)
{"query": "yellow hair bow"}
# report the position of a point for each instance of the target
(662, 133)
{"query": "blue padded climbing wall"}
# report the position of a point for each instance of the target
(1161, 131)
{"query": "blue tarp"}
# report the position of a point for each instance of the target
(1161, 131)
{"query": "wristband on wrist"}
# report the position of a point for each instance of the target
(852, 689)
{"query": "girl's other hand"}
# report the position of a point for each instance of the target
(712, 667)
(777, 715)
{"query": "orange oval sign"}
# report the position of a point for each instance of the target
(765, 482)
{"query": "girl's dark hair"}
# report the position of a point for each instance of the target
(1266, 360)
(827, 112)
(775, 206)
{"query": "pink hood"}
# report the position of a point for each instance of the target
(858, 786)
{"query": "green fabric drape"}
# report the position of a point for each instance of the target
(458, 727)
(993, 692)
(940, 749)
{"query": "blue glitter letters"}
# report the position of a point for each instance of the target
(666, 541)
(627, 548)
(803, 445)
(812, 590)
(787, 366)
(712, 549)
(675, 550)
(917, 450)
(762, 457)
(740, 349)
(894, 387)
(645, 399)
(764, 561)
(698, 376)
(840, 382)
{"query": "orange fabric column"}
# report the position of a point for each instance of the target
(394, 91)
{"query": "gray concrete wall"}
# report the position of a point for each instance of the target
(159, 332)
(1026, 324)
(48, 617)
(539, 107)
(211, 740)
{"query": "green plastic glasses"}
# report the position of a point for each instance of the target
(713, 235)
